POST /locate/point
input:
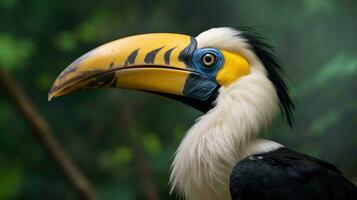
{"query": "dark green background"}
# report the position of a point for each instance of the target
(315, 40)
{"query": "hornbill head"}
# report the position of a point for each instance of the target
(172, 65)
(181, 67)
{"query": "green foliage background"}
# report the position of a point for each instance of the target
(315, 40)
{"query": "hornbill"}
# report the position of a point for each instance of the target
(235, 79)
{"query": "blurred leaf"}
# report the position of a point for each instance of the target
(8, 4)
(44, 81)
(10, 179)
(120, 157)
(327, 120)
(87, 32)
(95, 26)
(151, 143)
(340, 67)
(66, 41)
(313, 6)
(14, 51)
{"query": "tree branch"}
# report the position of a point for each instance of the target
(44, 134)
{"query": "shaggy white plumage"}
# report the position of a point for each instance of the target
(227, 133)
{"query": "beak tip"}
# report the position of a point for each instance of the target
(51, 94)
(49, 98)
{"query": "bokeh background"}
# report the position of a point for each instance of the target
(122, 139)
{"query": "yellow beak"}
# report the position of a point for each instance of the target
(156, 62)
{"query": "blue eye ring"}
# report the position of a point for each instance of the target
(208, 60)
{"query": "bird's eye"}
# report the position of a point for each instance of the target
(208, 59)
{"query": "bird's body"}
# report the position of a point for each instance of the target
(233, 77)
(285, 174)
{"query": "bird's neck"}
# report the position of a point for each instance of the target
(224, 136)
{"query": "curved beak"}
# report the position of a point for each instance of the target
(158, 62)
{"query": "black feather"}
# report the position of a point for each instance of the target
(264, 51)
(286, 174)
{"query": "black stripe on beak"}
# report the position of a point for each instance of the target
(150, 57)
(131, 58)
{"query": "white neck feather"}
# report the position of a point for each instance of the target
(224, 136)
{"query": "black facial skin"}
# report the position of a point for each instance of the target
(203, 106)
